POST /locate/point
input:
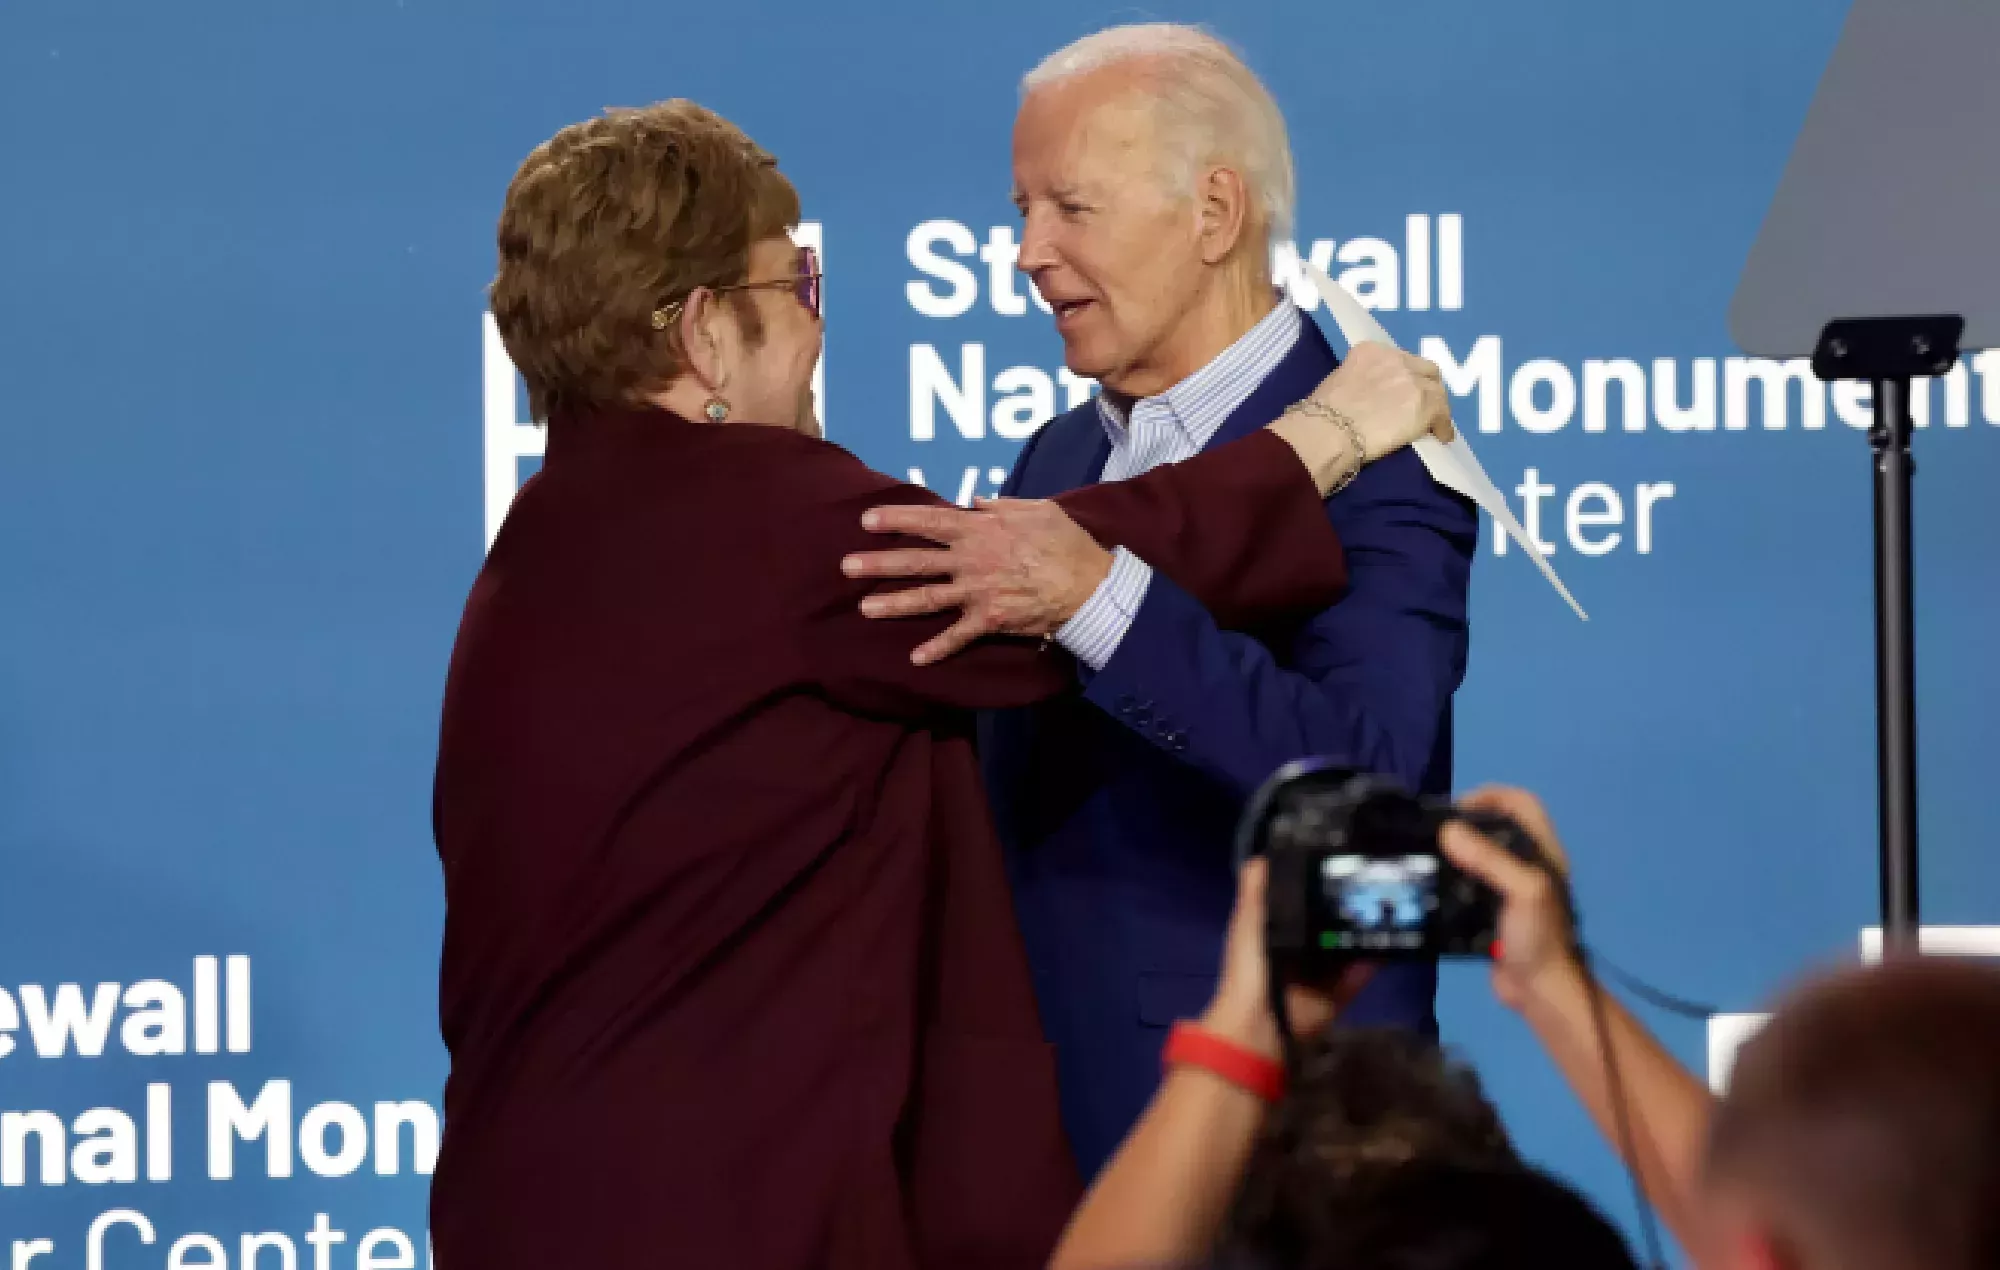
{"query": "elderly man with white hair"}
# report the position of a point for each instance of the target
(1153, 175)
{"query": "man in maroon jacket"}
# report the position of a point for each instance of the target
(730, 975)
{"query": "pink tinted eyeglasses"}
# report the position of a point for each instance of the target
(804, 284)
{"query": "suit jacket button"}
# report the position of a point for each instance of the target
(1177, 742)
(1125, 703)
(1142, 715)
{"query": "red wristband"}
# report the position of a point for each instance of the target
(1188, 1044)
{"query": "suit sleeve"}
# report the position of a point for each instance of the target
(1369, 680)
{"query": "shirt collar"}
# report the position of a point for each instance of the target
(1200, 404)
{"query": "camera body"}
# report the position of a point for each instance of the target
(1355, 871)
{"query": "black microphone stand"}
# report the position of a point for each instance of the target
(1888, 353)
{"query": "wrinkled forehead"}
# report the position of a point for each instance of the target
(1093, 131)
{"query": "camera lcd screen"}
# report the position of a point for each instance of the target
(1376, 903)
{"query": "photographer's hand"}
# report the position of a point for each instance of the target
(1162, 1197)
(1535, 952)
(1241, 1008)
(1537, 972)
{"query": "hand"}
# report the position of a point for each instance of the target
(1241, 1008)
(1535, 938)
(1015, 567)
(1392, 397)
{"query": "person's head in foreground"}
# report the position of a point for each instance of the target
(1366, 1099)
(1385, 1154)
(1152, 173)
(1861, 1127)
(645, 259)
(1423, 1216)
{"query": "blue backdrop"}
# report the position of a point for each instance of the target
(249, 416)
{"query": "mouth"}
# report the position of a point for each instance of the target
(1067, 311)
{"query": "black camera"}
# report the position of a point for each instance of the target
(1355, 871)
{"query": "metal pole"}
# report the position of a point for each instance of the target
(1895, 664)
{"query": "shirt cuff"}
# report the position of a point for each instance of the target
(1094, 632)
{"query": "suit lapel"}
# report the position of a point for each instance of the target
(1310, 361)
(1071, 456)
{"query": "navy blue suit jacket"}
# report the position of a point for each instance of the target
(1118, 805)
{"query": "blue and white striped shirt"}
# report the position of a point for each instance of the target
(1173, 426)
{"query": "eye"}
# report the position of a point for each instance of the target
(1072, 208)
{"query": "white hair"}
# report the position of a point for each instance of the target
(1212, 107)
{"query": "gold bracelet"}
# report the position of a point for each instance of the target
(1314, 406)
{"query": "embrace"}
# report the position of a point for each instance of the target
(819, 892)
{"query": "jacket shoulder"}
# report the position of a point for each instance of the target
(807, 472)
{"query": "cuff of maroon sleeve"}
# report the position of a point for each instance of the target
(1094, 632)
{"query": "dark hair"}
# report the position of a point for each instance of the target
(1435, 1216)
(609, 220)
(1386, 1154)
(1366, 1097)
(1863, 1122)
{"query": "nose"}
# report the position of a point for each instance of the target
(1037, 243)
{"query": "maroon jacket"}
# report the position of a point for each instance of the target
(730, 972)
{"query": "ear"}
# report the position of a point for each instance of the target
(1222, 203)
(703, 339)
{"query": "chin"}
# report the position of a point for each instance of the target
(1086, 363)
